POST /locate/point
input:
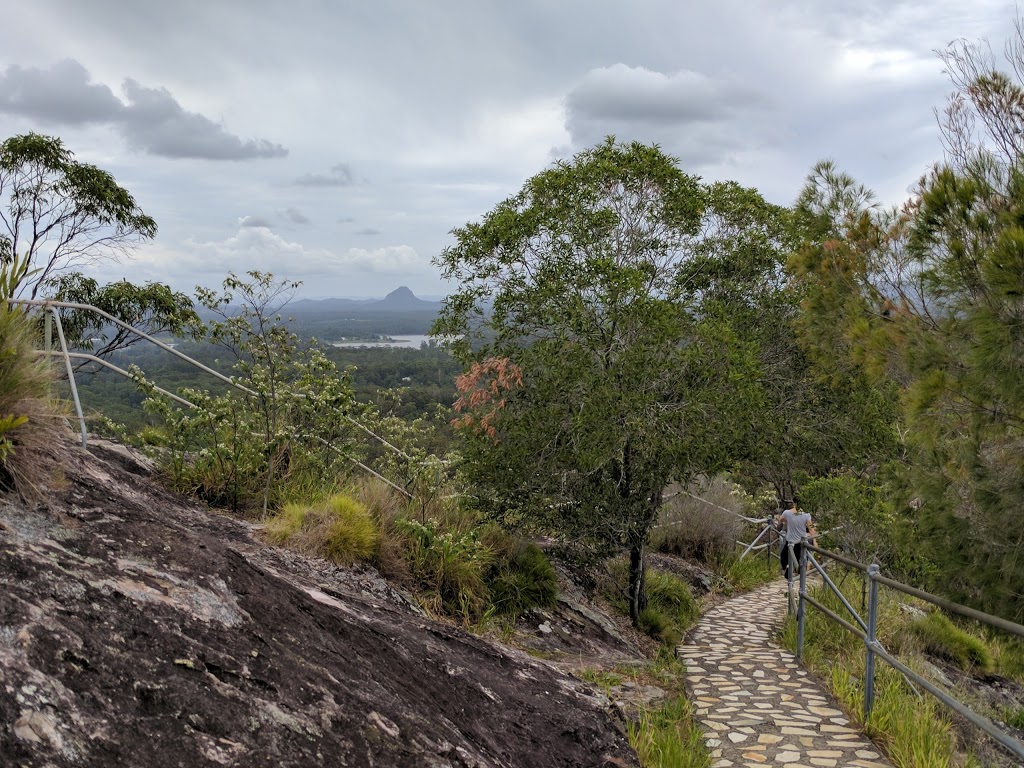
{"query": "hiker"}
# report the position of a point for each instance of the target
(795, 525)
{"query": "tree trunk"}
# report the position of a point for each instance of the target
(637, 582)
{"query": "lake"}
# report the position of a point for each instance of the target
(407, 341)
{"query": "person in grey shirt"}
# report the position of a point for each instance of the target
(795, 525)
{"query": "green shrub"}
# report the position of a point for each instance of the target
(672, 595)
(671, 609)
(654, 623)
(521, 578)
(941, 637)
(286, 523)
(448, 567)
(1014, 717)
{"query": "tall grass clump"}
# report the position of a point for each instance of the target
(29, 417)
(666, 736)
(696, 530)
(671, 608)
(448, 567)
(752, 571)
(942, 638)
(339, 529)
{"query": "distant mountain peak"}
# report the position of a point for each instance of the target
(403, 298)
(401, 292)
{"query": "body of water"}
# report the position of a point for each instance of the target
(409, 341)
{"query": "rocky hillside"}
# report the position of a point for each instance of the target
(137, 629)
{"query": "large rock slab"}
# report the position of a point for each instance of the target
(138, 629)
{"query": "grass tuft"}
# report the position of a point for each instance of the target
(942, 638)
(339, 529)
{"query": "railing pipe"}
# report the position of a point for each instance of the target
(753, 543)
(127, 375)
(837, 618)
(836, 556)
(963, 610)
(71, 377)
(838, 592)
(871, 642)
(804, 554)
(47, 304)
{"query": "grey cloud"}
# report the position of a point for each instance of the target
(340, 175)
(295, 216)
(255, 221)
(156, 123)
(62, 94)
(637, 94)
(696, 117)
(367, 231)
(345, 219)
(151, 120)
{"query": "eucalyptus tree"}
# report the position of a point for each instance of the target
(62, 213)
(595, 376)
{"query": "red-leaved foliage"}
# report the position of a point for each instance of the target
(482, 391)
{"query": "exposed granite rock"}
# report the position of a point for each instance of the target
(137, 629)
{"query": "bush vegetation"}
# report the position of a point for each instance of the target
(339, 529)
(30, 419)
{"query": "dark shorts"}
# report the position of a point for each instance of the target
(798, 548)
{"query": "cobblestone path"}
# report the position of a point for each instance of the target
(756, 703)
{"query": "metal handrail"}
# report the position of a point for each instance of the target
(51, 314)
(873, 649)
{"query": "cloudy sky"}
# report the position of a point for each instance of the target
(338, 142)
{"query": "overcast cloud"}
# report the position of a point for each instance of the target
(289, 137)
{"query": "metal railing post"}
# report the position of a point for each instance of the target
(790, 557)
(47, 333)
(803, 595)
(771, 543)
(870, 641)
(71, 373)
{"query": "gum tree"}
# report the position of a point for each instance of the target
(595, 378)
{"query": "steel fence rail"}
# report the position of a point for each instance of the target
(873, 649)
(53, 320)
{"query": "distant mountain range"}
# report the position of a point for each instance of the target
(399, 300)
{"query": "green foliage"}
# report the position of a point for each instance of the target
(941, 637)
(239, 449)
(152, 308)
(670, 610)
(352, 534)
(62, 212)
(521, 578)
(667, 736)
(591, 367)
(1014, 717)
(449, 567)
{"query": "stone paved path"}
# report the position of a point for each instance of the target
(755, 702)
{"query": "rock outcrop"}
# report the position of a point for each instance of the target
(137, 629)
